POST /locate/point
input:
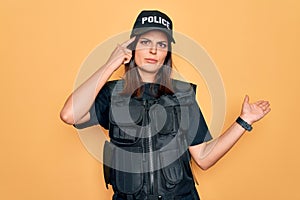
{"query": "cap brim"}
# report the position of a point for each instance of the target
(139, 31)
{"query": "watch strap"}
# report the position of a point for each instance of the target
(244, 124)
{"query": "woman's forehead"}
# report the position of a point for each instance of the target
(155, 35)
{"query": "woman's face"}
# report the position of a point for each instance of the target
(151, 51)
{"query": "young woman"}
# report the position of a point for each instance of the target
(155, 124)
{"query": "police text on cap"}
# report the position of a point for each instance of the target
(157, 20)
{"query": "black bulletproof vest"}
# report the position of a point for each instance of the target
(147, 156)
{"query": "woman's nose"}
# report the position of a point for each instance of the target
(153, 49)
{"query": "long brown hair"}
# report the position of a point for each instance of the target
(133, 79)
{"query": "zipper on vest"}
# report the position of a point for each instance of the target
(149, 146)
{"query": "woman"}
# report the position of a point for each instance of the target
(154, 122)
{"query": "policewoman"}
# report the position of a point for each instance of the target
(155, 124)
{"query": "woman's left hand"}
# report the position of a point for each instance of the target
(252, 112)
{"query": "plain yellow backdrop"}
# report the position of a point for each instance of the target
(254, 44)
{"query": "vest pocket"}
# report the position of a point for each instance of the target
(183, 117)
(128, 170)
(107, 162)
(172, 168)
(125, 126)
(164, 120)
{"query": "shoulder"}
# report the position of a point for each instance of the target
(109, 87)
(112, 83)
(183, 86)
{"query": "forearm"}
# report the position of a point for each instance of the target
(216, 149)
(79, 102)
(207, 154)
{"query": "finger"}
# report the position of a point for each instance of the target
(127, 59)
(246, 99)
(267, 111)
(119, 47)
(258, 103)
(126, 43)
(127, 51)
(263, 104)
(265, 107)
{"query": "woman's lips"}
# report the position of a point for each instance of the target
(151, 60)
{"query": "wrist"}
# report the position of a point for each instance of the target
(244, 124)
(247, 119)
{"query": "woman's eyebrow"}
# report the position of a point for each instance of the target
(163, 41)
(143, 38)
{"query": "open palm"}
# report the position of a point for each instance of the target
(252, 112)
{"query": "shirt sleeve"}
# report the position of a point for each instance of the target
(99, 110)
(198, 129)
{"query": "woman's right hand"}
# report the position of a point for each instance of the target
(78, 104)
(121, 55)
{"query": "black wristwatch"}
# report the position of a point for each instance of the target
(244, 124)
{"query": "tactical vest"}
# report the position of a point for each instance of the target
(147, 156)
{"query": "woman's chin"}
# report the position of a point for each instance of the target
(150, 68)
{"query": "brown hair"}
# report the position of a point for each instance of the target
(133, 79)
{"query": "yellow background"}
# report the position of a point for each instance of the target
(254, 43)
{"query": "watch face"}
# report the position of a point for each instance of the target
(248, 127)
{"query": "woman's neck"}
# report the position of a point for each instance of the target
(147, 77)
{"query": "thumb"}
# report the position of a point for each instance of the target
(246, 100)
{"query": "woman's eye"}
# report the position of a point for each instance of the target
(162, 45)
(145, 42)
